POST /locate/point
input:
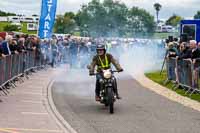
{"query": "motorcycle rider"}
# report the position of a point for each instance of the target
(103, 61)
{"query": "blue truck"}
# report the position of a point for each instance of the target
(191, 29)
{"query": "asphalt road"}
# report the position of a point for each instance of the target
(140, 110)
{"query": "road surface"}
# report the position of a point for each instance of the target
(140, 110)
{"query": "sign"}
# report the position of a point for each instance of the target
(47, 18)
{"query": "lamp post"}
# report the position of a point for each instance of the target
(85, 30)
(110, 28)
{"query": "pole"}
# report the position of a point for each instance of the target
(38, 24)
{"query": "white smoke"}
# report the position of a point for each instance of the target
(143, 57)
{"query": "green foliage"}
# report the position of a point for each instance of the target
(140, 21)
(106, 18)
(2, 25)
(197, 15)
(113, 18)
(2, 13)
(174, 20)
(164, 35)
(24, 27)
(11, 28)
(64, 24)
(71, 15)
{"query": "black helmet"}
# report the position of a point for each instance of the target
(101, 47)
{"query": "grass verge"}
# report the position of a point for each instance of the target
(24, 27)
(156, 77)
(164, 35)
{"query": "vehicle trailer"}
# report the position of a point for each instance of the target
(190, 29)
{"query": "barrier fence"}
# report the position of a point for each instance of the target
(184, 73)
(14, 66)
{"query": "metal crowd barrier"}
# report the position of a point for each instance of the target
(196, 75)
(170, 68)
(14, 66)
(184, 73)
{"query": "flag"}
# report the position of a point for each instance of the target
(47, 18)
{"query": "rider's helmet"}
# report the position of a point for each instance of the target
(101, 47)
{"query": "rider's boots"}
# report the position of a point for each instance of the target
(117, 94)
(97, 91)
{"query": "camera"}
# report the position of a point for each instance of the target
(166, 41)
(170, 38)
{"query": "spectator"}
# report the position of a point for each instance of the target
(13, 47)
(21, 46)
(44, 50)
(83, 55)
(54, 51)
(184, 51)
(1, 40)
(1, 48)
(172, 51)
(195, 52)
(5, 45)
(199, 45)
(73, 50)
(176, 44)
(37, 48)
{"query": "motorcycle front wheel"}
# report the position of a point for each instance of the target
(111, 100)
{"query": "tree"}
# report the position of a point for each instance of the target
(174, 20)
(91, 18)
(157, 7)
(108, 18)
(197, 15)
(103, 19)
(2, 13)
(11, 28)
(115, 18)
(71, 15)
(64, 24)
(140, 22)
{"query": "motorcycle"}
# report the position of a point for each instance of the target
(107, 95)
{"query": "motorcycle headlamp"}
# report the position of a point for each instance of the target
(107, 74)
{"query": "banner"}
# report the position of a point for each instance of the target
(47, 18)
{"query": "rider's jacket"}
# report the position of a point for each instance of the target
(103, 62)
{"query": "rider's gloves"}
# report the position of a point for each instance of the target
(91, 73)
(121, 70)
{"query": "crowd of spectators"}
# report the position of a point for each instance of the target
(183, 50)
(189, 51)
(11, 45)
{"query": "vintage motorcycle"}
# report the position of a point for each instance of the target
(107, 95)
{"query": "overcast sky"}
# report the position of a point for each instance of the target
(184, 8)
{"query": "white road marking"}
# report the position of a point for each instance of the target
(27, 101)
(33, 113)
(31, 93)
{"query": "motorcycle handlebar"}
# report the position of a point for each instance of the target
(113, 71)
